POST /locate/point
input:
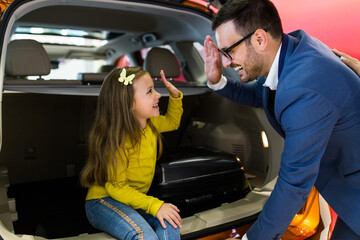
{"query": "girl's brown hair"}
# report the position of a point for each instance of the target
(113, 124)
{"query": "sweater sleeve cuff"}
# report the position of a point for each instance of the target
(156, 206)
(180, 97)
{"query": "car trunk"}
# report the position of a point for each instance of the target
(45, 145)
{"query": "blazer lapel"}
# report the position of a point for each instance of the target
(269, 95)
(269, 108)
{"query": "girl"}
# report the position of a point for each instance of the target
(122, 156)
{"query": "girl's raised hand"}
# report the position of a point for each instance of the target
(173, 91)
(170, 213)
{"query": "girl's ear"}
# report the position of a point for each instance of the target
(261, 39)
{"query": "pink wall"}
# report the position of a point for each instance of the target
(334, 22)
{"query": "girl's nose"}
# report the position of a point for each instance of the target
(157, 94)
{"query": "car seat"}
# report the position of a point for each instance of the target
(106, 68)
(26, 57)
(161, 59)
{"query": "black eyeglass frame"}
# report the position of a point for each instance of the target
(226, 51)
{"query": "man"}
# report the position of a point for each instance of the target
(311, 99)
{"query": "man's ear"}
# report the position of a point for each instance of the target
(261, 39)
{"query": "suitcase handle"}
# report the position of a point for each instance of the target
(199, 199)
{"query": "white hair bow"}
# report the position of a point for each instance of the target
(126, 80)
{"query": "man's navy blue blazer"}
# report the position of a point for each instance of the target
(317, 111)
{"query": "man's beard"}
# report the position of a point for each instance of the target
(253, 67)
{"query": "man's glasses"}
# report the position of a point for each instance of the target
(226, 51)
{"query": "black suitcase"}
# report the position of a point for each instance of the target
(197, 178)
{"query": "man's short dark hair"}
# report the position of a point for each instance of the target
(249, 15)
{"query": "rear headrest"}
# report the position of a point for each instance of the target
(106, 68)
(26, 58)
(92, 78)
(161, 58)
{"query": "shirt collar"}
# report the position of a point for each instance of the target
(273, 76)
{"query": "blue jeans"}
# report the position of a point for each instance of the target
(125, 223)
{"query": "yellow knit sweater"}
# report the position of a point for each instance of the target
(131, 188)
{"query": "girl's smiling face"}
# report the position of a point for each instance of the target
(146, 99)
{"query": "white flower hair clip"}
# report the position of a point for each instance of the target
(126, 80)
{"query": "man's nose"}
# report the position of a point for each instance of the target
(226, 61)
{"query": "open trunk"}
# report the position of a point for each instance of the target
(45, 123)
